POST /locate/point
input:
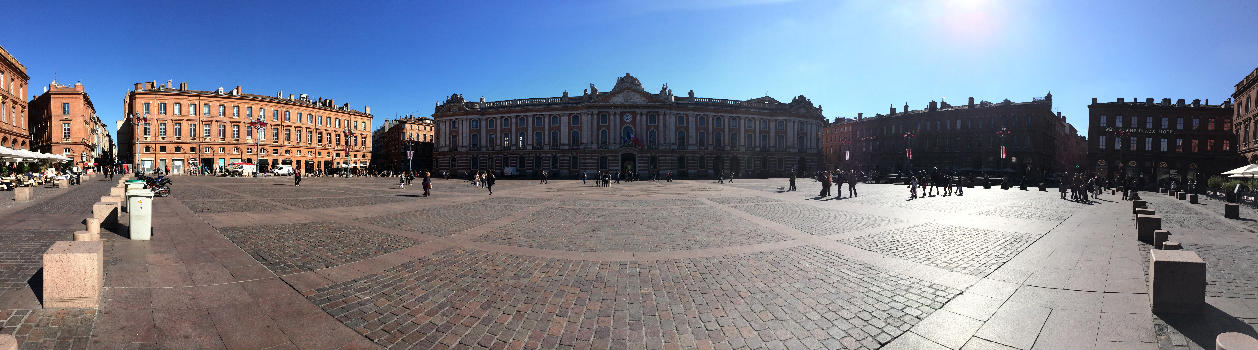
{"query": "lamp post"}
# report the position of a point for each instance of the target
(347, 133)
(410, 152)
(259, 125)
(1122, 162)
(139, 120)
(1002, 133)
(908, 149)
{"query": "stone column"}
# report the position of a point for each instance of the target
(691, 127)
(564, 120)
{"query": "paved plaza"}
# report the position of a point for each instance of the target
(361, 263)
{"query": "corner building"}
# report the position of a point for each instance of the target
(13, 106)
(1161, 141)
(390, 144)
(63, 121)
(188, 129)
(965, 138)
(1246, 115)
(631, 130)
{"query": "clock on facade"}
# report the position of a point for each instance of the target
(628, 117)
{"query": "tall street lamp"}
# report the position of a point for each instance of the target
(908, 149)
(260, 126)
(410, 152)
(1003, 153)
(140, 121)
(347, 133)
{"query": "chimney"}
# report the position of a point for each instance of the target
(971, 104)
(1207, 102)
(1094, 100)
(933, 106)
(1179, 102)
(1148, 101)
(170, 83)
(1166, 102)
(860, 116)
(137, 86)
(1121, 100)
(1196, 102)
(183, 86)
(367, 109)
(892, 110)
(238, 91)
(153, 84)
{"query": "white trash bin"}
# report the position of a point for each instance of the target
(130, 186)
(140, 203)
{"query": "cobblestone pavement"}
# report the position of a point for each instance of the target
(49, 329)
(362, 262)
(286, 249)
(647, 229)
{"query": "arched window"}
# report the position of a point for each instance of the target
(554, 138)
(703, 121)
(520, 140)
(574, 138)
(506, 122)
(650, 138)
(681, 139)
(717, 139)
(717, 122)
(574, 119)
(554, 120)
(602, 137)
(626, 134)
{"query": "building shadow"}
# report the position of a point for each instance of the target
(1202, 327)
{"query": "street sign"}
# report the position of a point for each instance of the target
(410, 154)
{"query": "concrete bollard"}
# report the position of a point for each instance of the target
(21, 194)
(1177, 281)
(1171, 245)
(117, 191)
(102, 210)
(1145, 225)
(93, 225)
(73, 274)
(1225, 341)
(8, 342)
(1138, 204)
(63, 183)
(1232, 211)
(1192, 198)
(1159, 237)
(84, 236)
(1181, 196)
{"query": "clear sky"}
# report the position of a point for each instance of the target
(400, 57)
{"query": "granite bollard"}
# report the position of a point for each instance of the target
(84, 236)
(8, 342)
(93, 225)
(1232, 211)
(1192, 198)
(102, 210)
(1181, 196)
(1145, 225)
(1177, 281)
(63, 183)
(1160, 237)
(21, 194)
(1171, 245)
(1138, 204)
(73, 274)
(1225, 341)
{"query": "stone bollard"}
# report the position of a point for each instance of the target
(73, 274)
(21, 194)
(1177, 281)
(1145, 225)
(1225, 341)
(117, 191)
(84, 236)
(1232, 211)
(102, 210)
(1181, 196)
(1171, 245)
(63, 183)
(1159, 237)
(93, 225)
(1138, 204)
(8, 342)
(1162, 190)
(1192, 198)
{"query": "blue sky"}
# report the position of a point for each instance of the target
(400, 57)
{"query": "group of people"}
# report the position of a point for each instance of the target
(836, 178)
(934, 182)
(480, 179)
(1082, 187)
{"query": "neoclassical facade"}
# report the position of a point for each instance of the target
(181, 129)
(629, 129)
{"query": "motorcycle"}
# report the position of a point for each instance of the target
(159, 185)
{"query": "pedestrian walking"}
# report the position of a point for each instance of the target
(583, 176)
(792, 187)
(851, 186)
(489, 183)
(297, 178)
(427, 183)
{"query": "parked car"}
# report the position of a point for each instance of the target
(282, 170)
(242, 169)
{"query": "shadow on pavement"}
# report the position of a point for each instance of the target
(36, 282)
(1201, 328)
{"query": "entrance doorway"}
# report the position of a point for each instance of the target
(628, 162)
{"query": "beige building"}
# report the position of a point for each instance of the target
(175, 128)
(63, 121)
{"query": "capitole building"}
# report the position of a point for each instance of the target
(181, 129)
(631, 130)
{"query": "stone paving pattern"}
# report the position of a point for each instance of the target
(286, 249)
(798, 298)
(961, 249)
(361, 263)
(651, 230)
